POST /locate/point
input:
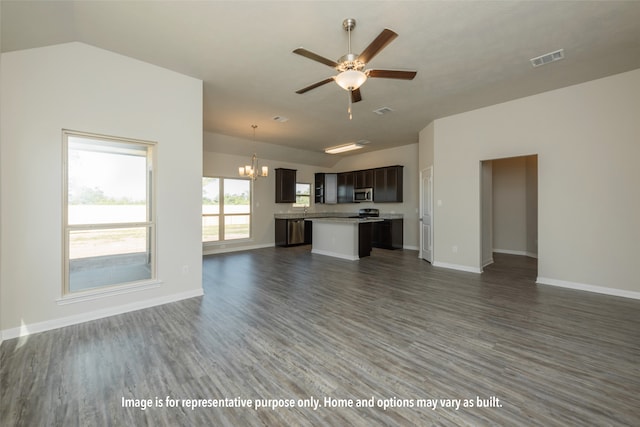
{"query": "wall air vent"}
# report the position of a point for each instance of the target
(382, 110)
(547, 58)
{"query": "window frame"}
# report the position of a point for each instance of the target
(308, 195)
(150, 147)
(222, 240)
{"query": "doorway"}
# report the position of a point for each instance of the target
(426, 214)
(509, 207)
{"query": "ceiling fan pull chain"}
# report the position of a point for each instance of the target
(349, 109)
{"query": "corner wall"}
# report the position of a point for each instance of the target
(79, 87)
(586, 138)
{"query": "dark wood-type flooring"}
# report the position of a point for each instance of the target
(281, 323)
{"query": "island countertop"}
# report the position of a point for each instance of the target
(315, 215)
(345, 220)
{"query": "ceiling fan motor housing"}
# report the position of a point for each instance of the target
(350, 62)
(349, 24)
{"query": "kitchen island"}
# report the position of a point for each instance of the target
(346, 238)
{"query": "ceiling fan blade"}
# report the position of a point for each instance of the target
(315, 85)
(392, 74)
(308, 54)
(383, 39)
(356, 96)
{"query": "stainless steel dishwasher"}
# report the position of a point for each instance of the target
(295, 231)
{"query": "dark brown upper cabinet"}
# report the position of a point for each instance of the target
(285, 185)
(345, 187)
(387, 184)
(363, 178)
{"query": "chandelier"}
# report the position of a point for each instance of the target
(253, 171)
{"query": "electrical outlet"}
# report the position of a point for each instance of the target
(454, 249)
(185, 270)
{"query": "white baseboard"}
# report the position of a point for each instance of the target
(521, 253)
(487, 262)
(411, 248)
(335, 254)
(589, 288)
(48, 325)
(466, 268)
(219, 250)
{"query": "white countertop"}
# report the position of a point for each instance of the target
(344, 220)
(337, 215)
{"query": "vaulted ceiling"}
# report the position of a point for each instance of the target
(467, 55)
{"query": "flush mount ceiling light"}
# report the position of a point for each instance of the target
(343, 148)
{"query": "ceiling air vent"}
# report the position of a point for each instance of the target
(382, 110)
(280, 119)
(547, 58)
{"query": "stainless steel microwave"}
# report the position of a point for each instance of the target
(363, 195)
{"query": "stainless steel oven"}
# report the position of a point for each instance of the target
(363, 195)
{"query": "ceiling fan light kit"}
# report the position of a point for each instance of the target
(351, 79)
(351, 67)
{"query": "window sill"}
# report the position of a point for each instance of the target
(224, 243)
(108, 292)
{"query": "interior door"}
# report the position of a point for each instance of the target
(426, 214)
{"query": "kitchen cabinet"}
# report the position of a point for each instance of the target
(345, 187)
(292, 231)
(326, 188)
(387, 184)
(285, 185)
(388, 234)
(363, 178)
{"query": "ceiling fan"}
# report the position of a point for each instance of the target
(351, 67)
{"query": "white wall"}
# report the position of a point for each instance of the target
(586, 138)
(79, 87)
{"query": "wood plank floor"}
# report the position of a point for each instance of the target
(281, 323)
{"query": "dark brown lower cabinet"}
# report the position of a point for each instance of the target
(388, 234)
(365, 233)
(294, 231)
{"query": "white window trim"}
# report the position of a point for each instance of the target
(221, 241)
(68, 297)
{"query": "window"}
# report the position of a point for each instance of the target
(229, 217)
(108, 220)
(303, 195)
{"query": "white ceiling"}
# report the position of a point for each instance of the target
(468, 54)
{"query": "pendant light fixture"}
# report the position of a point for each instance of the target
(253, 171)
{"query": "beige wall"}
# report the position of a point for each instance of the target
(79, 87)
(217, 163)
(586, 138)
(263, 194)
(407, 156)
(1, 316)
(515, 207)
